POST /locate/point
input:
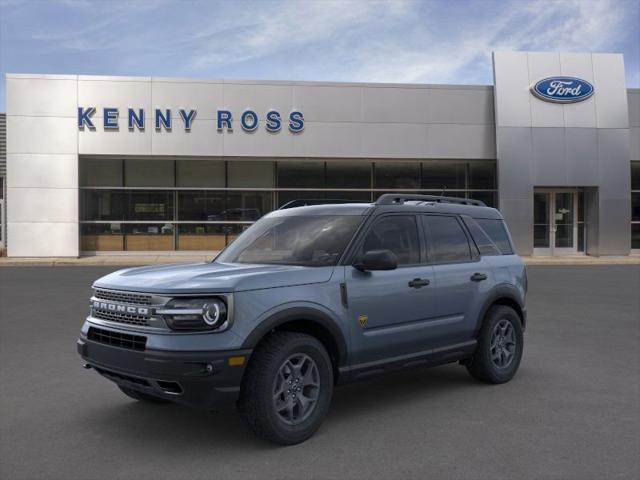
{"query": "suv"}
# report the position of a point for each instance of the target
(311, 297)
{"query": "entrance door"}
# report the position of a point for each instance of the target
(555, 225)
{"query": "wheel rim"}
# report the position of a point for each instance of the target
(503, 344)
(296, 388)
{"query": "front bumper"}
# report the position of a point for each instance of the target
(203, 380)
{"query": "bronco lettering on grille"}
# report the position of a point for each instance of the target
(114, 307)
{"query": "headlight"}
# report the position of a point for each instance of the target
(195, 313)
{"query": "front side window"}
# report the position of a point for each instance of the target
(398, 234)
(313, 241)
(447, 241)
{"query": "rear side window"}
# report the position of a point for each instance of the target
(497, 232)
(481, 239)
(447, 240)
(396, 233)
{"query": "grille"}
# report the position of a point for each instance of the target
(117, 339)
(128, 318)
(123, 297)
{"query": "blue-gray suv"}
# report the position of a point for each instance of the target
(310, 297)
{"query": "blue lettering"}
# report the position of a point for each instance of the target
(296, 121)
(84, 117)
(187, 118)
(136, 119)
(249, 120)
(225, 120)
(110, 118)
(163, 120)
(274, 124)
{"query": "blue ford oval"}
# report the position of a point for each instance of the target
(562, 89)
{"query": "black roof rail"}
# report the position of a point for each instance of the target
(303, 202)
(401, 198)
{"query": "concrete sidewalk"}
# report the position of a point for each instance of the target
(139, 260)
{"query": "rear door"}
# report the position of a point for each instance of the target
(389, 311)
(461, 277)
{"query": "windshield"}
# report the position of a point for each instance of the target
(313, 241)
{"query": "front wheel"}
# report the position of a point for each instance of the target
(287, 388)
(500, 345)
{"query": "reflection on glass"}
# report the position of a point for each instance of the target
(356, 174)
(148, 237)
(541, 236)
(444, 175)
(203, 236)
(200, 173)
(300, 174)
(149, 173)
(635, 235)
(564, 220)
(397, 175)
(101, 237)
(482, 175)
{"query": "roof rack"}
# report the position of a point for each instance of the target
(401, 198)
(302, 202)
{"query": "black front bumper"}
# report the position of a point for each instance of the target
(203, 380)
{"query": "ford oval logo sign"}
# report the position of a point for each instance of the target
(562, 89)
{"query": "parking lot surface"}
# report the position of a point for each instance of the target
(572, 411)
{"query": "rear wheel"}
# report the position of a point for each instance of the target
(143, 397)
(287, 388)
(500, 344)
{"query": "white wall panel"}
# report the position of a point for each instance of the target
(114, 93)
(544, 114)
(42, 170)
(43, 205)
(41, 135)
(612, 109)
(580, 114)
(42, 239)
(44, 97)
(395, 105)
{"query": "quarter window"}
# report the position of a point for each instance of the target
(447, 240)
(398, 234)
(497, 233)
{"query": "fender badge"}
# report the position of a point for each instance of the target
(362, 319)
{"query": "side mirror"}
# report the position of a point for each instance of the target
(377, 260)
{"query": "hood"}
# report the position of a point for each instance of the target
(211, 277)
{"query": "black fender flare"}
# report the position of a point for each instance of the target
(309, 314)
(500, 292)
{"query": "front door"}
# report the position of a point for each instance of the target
(555, 225)
(391, 312)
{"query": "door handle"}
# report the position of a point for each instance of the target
(419, 282)
(478, 277)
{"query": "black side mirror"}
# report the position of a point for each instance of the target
(377, 260)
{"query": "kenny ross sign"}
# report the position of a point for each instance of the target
(162, 119)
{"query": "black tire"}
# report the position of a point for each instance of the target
(489, 363)
(264, 378)
(143, 397)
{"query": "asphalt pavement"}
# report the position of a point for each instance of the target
(572, 411)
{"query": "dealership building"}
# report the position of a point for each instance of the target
(115, 165)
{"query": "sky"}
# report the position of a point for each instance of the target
(403, 41)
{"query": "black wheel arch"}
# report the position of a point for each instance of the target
(304, 320)
(506, 295)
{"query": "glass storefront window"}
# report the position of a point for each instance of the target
(397, 175)
(200, 173)
(635, 236)
(149, 173)
(356, 174)
(247, 206)
(150, 205)
(148, 237)
(443, 175)
(203, 236)
(482, 175)
(101, 172)
(96, 237)
(635, 175)
(635, 206)
(300, 174)
(201, 205)
(253, 174)
(103, 204)
(211, 193)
